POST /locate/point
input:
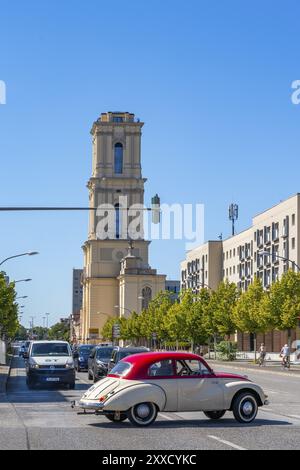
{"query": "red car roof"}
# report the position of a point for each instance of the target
(141, 361)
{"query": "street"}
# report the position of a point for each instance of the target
(43, 419)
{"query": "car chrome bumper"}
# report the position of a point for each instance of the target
(87, 405)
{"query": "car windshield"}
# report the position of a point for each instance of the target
(104, 353)
(50, 349)
(121, 369)
(85, 350)
(129, 353)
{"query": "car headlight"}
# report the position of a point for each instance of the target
(100, 364)
(69, 365)
(81, 359)
(34, 366)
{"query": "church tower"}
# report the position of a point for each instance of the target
(111, 287)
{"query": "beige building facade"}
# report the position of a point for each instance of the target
(266, 250)
(117, 278)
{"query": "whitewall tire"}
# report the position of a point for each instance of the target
(142, 414)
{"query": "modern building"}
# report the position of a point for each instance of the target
(266, 250)
(117, 278)
(173, 287)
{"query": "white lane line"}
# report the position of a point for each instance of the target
(227, 443)
(166, 417)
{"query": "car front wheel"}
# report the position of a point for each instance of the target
(215, 414)
(245, 408)
(142, 414)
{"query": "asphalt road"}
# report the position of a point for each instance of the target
(43, 419)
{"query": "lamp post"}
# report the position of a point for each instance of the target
(30, 253)
(47, 323)
(22, 297)
(22, 280)
(123, 308)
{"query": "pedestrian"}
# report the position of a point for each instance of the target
(262, 355)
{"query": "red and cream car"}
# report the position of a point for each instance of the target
(141, 385)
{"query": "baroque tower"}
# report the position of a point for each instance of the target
(117, 278)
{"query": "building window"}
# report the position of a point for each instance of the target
(118, 119)
(147, 295)
(118, 159)
(293, 243)
(293, 219)
(117, 212)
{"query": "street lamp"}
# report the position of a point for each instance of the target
(22, 280)
(47, 315)
(123, 308)
(22, 297)
(275, 255)
(30, 253)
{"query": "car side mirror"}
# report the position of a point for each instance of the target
(25, 355)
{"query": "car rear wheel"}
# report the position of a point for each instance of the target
(142, 414)
(245, 408)
(116, 417)
(215, 414)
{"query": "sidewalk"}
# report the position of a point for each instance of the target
(270, 367)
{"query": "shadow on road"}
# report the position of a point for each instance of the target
(181, 423)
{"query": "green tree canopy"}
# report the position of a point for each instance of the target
(8, 309)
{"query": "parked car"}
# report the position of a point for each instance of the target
(140, 386)
(120, 353)
(81, 354)
(98, 362)
(50, 362)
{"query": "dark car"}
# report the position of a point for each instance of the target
(98, 361)
(81, 354)
(119, 353)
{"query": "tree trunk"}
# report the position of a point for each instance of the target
(289, 337)
(255, 346)
(215, 345)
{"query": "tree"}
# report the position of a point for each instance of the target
(60, 331)
(250, 315)
(198, 328)
(283, 303)
(8, 309)
(219, 311)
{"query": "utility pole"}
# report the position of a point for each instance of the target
(233, 215)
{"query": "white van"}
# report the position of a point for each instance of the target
(50, 362)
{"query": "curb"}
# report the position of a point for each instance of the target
(252, 369)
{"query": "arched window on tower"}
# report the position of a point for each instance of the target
(147, 296)
(118, 159)
(118, 221)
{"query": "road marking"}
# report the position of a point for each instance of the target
(295, 416)
(166, 417)
(227, 443)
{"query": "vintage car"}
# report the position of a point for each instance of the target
(141, 385)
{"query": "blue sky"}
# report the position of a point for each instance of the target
(212, 81)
